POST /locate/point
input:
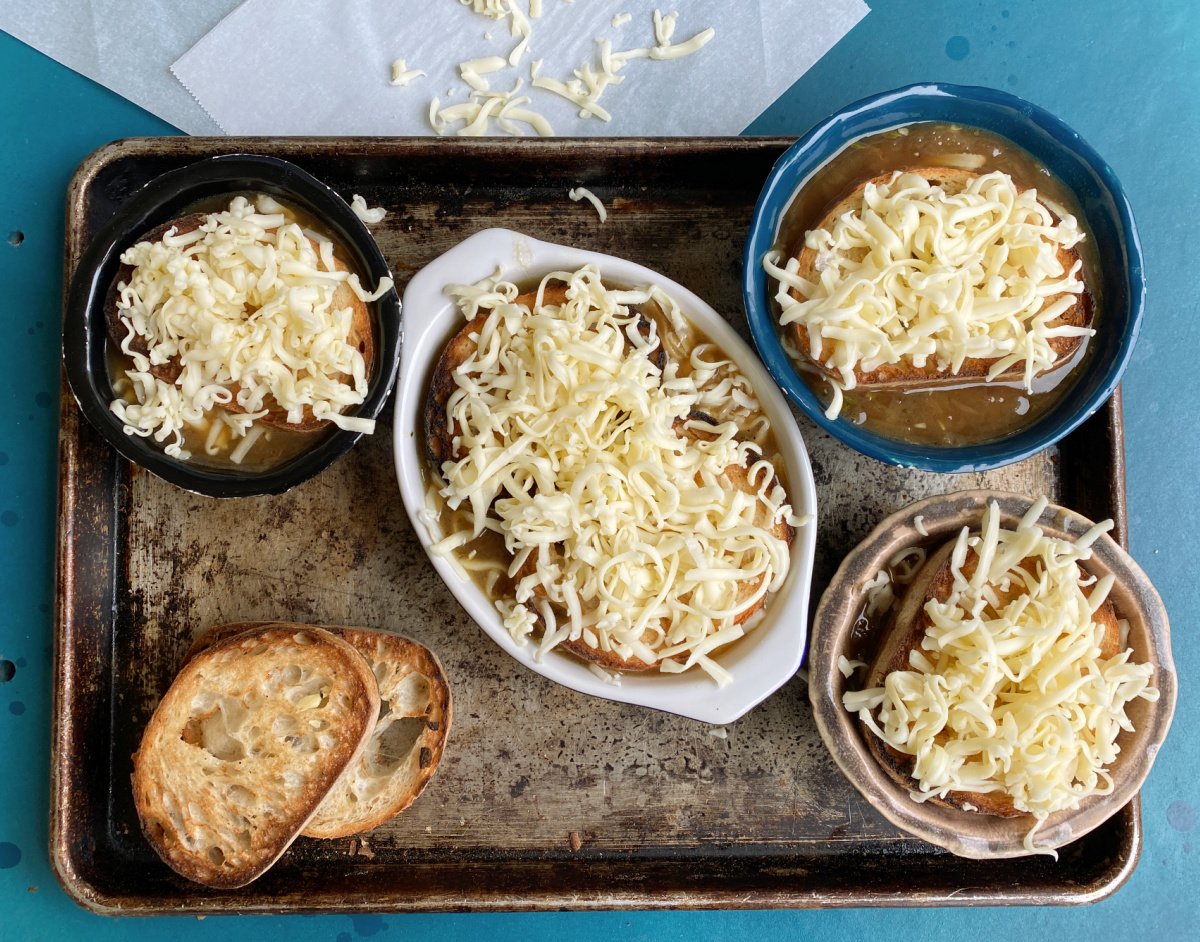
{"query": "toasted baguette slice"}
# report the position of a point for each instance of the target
(361, 333)
(909, 623)
(410, 735)
(904, 373)
(404, 752)
(439, 436)
(245, 745)
(736, 477)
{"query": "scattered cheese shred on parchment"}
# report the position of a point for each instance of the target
(488, 111)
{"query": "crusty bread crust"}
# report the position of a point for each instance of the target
(905, 631)
(904, 373)
(245, 744)
(361, 335)
(412, 685)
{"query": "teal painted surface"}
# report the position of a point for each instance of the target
(1126, 76)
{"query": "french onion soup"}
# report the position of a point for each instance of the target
(238, 335)
(935, 285)
(1004, 675)
(605, 474)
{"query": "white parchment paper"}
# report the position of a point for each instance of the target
(125, 45)
(322, 67)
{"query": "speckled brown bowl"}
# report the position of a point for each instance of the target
(837, 630)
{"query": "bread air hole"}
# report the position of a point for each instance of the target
(395, 744)
(303, 744)
(157, 831)
(216, 856)
(309, 692)
(210, 732)
(284, 725)
(239, 795)
(411, 695)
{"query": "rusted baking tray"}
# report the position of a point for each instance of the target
(546, 799)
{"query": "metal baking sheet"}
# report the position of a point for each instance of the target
(546, 799)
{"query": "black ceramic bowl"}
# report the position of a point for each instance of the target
(85, 335)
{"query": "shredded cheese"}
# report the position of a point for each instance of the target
(582, 193)
(488, 112)
(571, 444)
(368, 215)
(253, 314)
(402, 75)
(847, 667)
(918, 274)
(1008, 690)
(485, 106)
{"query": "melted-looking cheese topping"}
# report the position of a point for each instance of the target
(1008, 691)
(622, 531)
(246, 306)
(918, 274)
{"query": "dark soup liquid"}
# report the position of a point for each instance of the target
(972, 411)
(272, 448)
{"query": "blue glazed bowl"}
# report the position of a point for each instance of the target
(1067, 156)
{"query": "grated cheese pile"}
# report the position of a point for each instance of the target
(622, 532)
(925, 276)
(1008, 691)
(257, 317)
(508, 109)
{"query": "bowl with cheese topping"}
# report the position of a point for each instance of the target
(604, 476)
(234, 328)
(944, 278)
(993, 673)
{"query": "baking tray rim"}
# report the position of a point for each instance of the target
(88, 892)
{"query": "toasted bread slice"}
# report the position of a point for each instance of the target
(409, 738)
(909, 622)
(361, 333)
(439, 436)
(736, 477)
(904, 373)
(245, 745)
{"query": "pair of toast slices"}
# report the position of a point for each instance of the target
(441, 437)
(908, 624)
(904, 374)
(361, 334)
(272, 730)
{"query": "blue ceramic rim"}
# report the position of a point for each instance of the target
(816, 148)
(160, 199)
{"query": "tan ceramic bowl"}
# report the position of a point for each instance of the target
(836, 630)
